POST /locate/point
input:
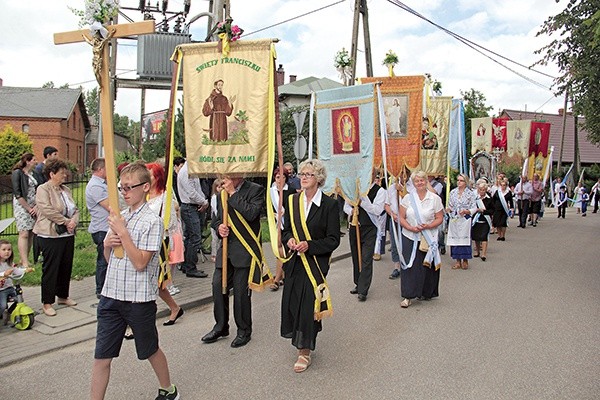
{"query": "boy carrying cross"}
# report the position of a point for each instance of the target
(131, 286)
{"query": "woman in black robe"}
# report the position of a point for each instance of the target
(300, 319)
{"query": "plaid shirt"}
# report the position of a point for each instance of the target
(123, 282)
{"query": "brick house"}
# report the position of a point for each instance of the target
(51, 117)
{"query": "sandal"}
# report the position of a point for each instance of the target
(302, 364)
(476, 255)
(465, 265)
(456, 266)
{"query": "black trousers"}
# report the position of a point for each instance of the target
(368, 236)
(242, 305)
(523, 211)
(57, 267)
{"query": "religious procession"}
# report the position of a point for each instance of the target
(387, 164)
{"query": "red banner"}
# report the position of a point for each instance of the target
(499, 134)
(346, 135)
(539, 138)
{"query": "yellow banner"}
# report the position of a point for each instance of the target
(434, 136)
(517, 137)
(226, 103)
(403, 106)
(481, 134)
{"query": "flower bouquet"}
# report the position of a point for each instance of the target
(390, 60)
(343, 63)
(96, 14)
(227, 33)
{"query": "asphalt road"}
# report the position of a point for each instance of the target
(523, 325)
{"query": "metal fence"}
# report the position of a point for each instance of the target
(77, 189)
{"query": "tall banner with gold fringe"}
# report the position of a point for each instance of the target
(481, 134)
(346, 127)
(226, 107)
(517, 137)
(538, 148)
(434, 136)
(403, 106)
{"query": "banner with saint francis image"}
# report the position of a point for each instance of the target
(345, 138)
(403, 107)
(226, 107)
(538, 148)
(435, 135)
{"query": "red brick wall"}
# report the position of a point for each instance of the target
(54, 132)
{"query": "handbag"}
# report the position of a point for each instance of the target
(423, 244)
(176, 252)
(60, 229)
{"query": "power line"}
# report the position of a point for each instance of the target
(476, 46)
(293, 18)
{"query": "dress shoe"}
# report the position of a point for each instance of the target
(443, 250)
(354, 291)
(67, 302)
(240, 340)
(172, 321)
(362, 297)
(194, 273)
(49, 311)
(213, 336)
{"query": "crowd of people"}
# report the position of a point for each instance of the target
(420, 220)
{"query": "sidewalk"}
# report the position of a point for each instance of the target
(73, 325)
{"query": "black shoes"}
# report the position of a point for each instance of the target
(354, 291)
(240, 340)
(213, 336)
(362, 297)
(172, 321)
(195, 273)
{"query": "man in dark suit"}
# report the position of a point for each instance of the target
(247, 199)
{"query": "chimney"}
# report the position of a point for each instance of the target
(292, 78)
(561, 111)
(280, 75)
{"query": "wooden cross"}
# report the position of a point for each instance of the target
(101, 70)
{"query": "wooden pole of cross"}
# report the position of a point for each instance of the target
(100, 64)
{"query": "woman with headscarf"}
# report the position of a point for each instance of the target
(461, 207)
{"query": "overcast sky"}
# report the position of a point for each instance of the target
(308, 45)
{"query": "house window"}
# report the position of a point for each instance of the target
(74, 121)
(67, 151)
(25, 128)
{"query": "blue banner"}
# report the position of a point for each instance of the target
(345, 138)
(457, 148)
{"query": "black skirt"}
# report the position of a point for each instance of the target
(297, 307)
(480, 231)
(417, 281)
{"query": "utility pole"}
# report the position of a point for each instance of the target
(360, 8)
(562, 136)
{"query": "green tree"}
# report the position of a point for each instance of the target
(156, 148)
(50, 85)
(575, 48)
(92, 103)
(288, 132)
(12, 146)
(474, 102)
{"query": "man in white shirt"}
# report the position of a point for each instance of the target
(523, 192)
(193, 205)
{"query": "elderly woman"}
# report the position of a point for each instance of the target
(504, 208)
(311, 232)
(421, 212)
(482, 220)
(461, 207)
(24, 208)
(57, 219)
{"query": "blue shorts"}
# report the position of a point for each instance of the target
(114, 316)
